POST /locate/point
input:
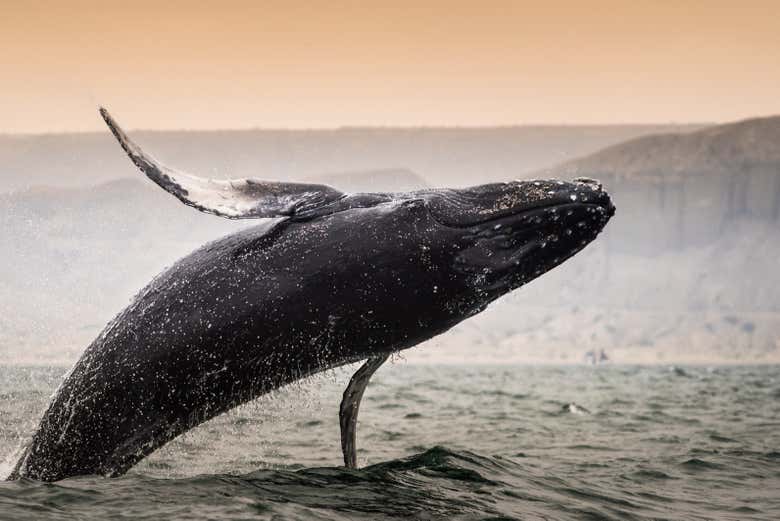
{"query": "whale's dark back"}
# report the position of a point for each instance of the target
(242, 316)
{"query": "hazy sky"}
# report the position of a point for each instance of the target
(322, 64)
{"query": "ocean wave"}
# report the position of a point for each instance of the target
(439, 483)
(503, 445)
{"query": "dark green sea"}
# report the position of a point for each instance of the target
(446, 442)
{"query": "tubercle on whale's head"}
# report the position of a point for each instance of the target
(510, 233)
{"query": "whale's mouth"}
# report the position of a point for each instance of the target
(512, 249)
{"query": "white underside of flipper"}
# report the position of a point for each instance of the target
(239, 199)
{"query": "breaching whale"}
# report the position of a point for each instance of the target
(337, 278)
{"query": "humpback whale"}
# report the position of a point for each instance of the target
(336, 278)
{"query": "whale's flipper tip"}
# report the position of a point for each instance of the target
(107, 117)
(103, 111)
(141, 160)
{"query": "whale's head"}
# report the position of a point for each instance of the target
(503, 235)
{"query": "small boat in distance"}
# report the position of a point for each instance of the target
(594, 358)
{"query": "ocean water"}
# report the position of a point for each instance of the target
(446, 442)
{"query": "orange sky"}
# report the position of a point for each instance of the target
(233, 64)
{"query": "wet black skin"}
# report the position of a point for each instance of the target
(259, 309)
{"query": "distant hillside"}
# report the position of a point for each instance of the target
(687, 268)
(674, 190)
(442, 156)
(721, 149)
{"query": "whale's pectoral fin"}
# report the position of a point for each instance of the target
(350, 403)
(234, 199)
